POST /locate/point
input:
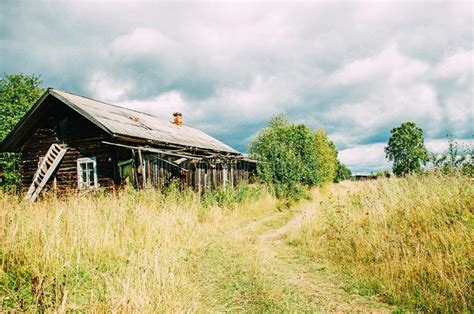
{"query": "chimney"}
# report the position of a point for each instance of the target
(178, 118)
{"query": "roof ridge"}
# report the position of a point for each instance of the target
(90, 107)
(113, 105)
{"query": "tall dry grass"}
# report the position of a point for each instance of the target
(134, 251)
(409, 240)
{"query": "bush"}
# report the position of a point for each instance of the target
(231, 197)
(457, 159)
(292, 156)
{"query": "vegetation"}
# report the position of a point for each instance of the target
(146, 251)
(408, 240)
(406, 149)
(287, 154)
(292, 156)
(326, 157)
(458, 159)
(342, 172)
(18, 92)
(132, 251)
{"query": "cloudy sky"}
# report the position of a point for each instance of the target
(355, 69)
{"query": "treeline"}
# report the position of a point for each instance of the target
(406, 149)
(292, 157)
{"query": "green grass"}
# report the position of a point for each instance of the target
(237, 277)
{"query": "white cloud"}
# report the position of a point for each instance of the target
(162, 106)
(441, 146)
(353, 69)
(460, 112)
(384, 108)
(141, 41)
(106, 89)
(388, 65)
(249, 104)
(459, 67)
(363, 158)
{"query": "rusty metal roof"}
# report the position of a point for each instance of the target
(122, 121)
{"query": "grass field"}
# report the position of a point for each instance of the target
(372, 246)
(408, 240)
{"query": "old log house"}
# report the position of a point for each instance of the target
(67, 141)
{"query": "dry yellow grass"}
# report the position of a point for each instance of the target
(409, 240)
(130, 252)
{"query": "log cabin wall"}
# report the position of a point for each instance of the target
(81, 138)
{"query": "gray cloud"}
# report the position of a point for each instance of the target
(356, 70)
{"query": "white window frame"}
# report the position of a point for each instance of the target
(83, 185)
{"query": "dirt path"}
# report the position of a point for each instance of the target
(308, 276)
(260, 271)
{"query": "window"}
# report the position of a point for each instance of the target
(86, 173)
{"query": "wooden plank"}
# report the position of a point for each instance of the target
(47, 176)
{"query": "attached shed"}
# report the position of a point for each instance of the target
(67, 141)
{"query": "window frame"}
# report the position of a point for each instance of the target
(86, 185)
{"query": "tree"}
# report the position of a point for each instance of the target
(342, 172)
(18, 92)
(326, 158)
(292, 156)
(406, 149)
(457, 159)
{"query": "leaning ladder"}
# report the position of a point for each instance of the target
(46, 168)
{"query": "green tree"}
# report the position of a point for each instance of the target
(326, 158)
(292, 156)
(342, 172)
(457, 159)
(406, 149)
(18, 92)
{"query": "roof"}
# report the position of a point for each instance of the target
(119, 121)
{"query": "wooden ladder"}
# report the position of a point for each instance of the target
(46, 168)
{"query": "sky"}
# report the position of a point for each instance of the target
(355, 69)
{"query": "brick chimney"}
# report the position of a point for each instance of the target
(178, 118)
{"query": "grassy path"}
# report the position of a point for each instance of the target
(253, 269)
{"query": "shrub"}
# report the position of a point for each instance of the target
(457, 159)
(293, 156)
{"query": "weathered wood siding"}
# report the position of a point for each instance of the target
(83, 140)
(200, 175)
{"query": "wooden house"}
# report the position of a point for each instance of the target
(67, 141)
